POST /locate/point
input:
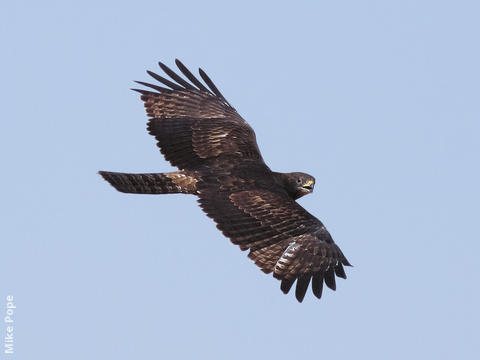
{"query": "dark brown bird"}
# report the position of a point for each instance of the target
(199, 132)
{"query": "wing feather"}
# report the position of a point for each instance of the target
(176, 77)
(302, 285)
(330, 279)
(152, 86)
(164, 81)
(190, 76)
(283, 238)
(211, 85)
(317, 284)
(215, 128)
(286, 285)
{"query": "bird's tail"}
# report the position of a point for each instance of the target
(178, 182)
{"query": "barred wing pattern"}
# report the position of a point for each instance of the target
(282, 236)
(196, 126)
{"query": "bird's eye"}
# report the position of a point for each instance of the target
(299, 181)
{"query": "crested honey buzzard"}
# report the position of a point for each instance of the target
(219, 161)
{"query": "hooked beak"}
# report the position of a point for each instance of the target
(308, 185)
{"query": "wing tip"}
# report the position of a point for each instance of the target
(340, 271)
(286, 285)
(180, 83)
(141, 91)
(303, 282)
(317, 285)
(329, 278)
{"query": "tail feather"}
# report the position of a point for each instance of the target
(178, 182)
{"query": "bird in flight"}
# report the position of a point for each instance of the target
(216, 152)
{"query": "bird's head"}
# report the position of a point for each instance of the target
(299, 184)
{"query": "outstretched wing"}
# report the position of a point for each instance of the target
(282, 236)
(194, 125)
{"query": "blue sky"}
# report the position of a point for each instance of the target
(378, 100)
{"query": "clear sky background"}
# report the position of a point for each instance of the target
(379, 100)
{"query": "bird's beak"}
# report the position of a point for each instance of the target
(308, 185)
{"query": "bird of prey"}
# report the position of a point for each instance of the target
(216, 152)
